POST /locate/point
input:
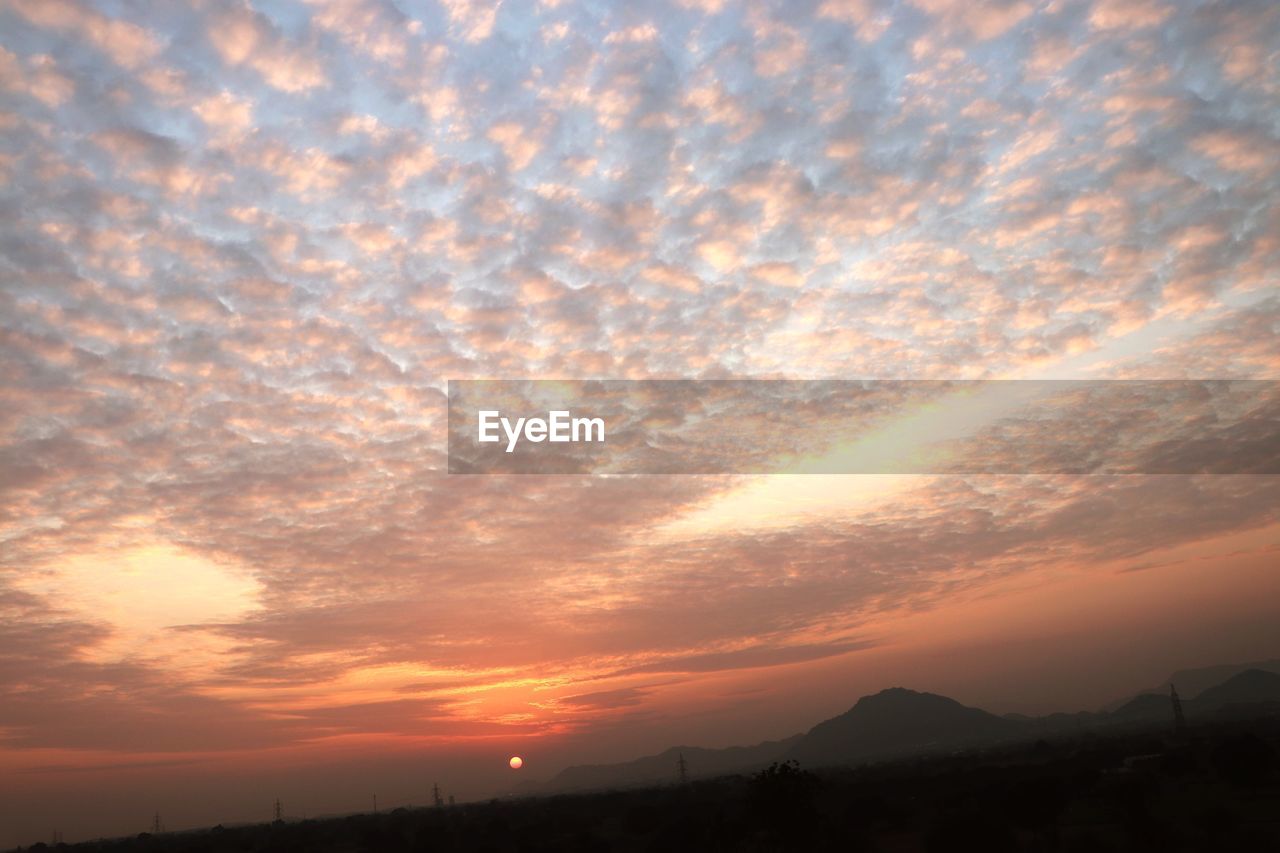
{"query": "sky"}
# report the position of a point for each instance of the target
(243, 248)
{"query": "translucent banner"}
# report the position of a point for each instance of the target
(748, 426)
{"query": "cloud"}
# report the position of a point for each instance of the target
(242, 36)
(624, 697)
(225, 114)
(127, 44)
(1238, 152)
(985, 21)
(748, 658)
(1115, 14)
(472, 20)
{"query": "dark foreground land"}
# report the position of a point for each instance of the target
(1214, 788)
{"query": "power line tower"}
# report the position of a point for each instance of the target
(435, 795)
(1179, 722)
(682, 769)
(279, 811)
(156, 826)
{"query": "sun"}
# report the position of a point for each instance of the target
(516, 762)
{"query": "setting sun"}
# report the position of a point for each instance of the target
(516, 762)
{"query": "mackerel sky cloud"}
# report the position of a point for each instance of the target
(244, 246)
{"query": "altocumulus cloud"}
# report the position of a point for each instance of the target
(243, 247)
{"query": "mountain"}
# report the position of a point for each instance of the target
(896, 722)
(893, 722)
(1251, 687)
(1245, 689)
(1143, 707)
(664, 767)
(899, 722)
(1192, 682)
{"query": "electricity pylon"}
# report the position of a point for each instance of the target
(1179, 722)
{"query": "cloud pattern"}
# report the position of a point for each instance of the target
(242, 248)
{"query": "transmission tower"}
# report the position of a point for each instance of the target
(279, 811)
(682, 769)
(1179, 722)
(156, 826)
(435, 795)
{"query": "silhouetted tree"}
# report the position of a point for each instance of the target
(1245, 760)
(970, 830)
(780, 799)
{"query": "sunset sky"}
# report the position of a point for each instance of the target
(244, 247)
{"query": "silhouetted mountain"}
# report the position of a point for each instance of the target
(898, 721)
(1192, 682)
(1147, 706)
(1060, 721)
(663, 767)
(1251, 687)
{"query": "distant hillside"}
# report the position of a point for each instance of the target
(1146, 706)
(663, 767)
(1251, 687)
(1193, 682)
(898, 721)
(1246, 688)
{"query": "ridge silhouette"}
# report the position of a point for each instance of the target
(898, 722)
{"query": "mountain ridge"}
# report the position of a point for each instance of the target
(1196, 680)
(700, 762)
(897, 722)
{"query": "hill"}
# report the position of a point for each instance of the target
(663, 767)
(1251, 687)
(897, 722)
(1245, 690)
(1192, 682)
(1143, 707)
